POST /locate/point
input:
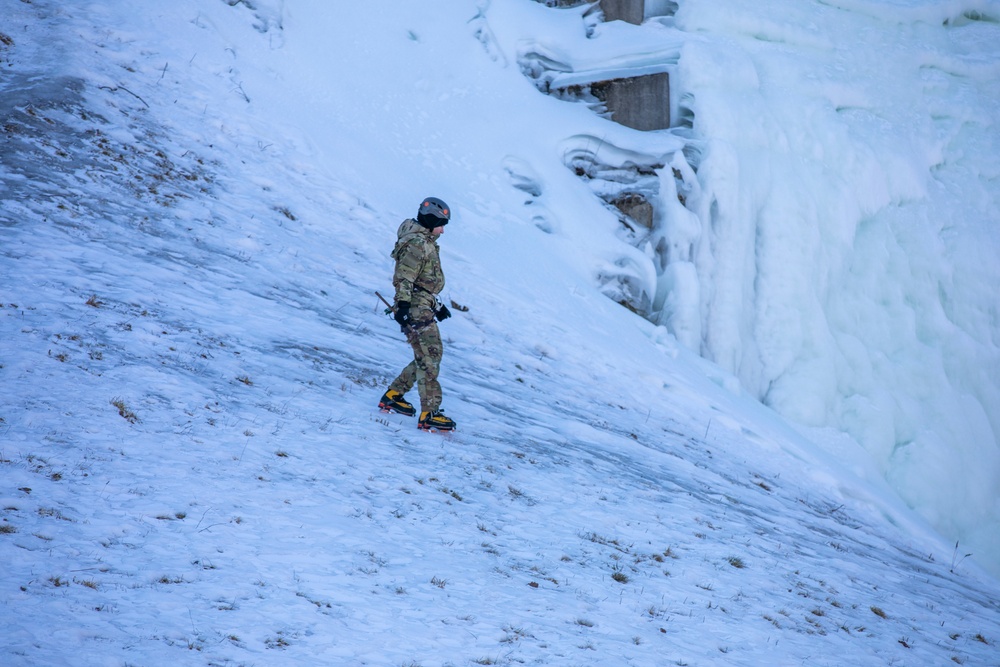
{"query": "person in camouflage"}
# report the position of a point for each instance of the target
(418, 280)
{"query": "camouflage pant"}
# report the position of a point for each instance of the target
(423, 370)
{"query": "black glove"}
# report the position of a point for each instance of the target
(402, 314)
(442, 313)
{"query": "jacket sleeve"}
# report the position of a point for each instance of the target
(409, 260)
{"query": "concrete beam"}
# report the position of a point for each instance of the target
(642, 102)
(630, 11)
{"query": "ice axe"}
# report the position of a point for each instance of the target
(391, 309)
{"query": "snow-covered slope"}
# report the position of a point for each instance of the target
(197, 205)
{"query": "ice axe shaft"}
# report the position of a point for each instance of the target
(390, 309)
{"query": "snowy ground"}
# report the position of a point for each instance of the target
(193, 222)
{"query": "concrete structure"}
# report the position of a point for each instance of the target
(635, 95)
(641, 102)
(631, 11)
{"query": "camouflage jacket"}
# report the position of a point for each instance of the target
(418, 277)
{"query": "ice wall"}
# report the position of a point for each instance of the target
(849, 254)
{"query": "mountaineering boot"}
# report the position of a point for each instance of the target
(435, 421)
(393, 401)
